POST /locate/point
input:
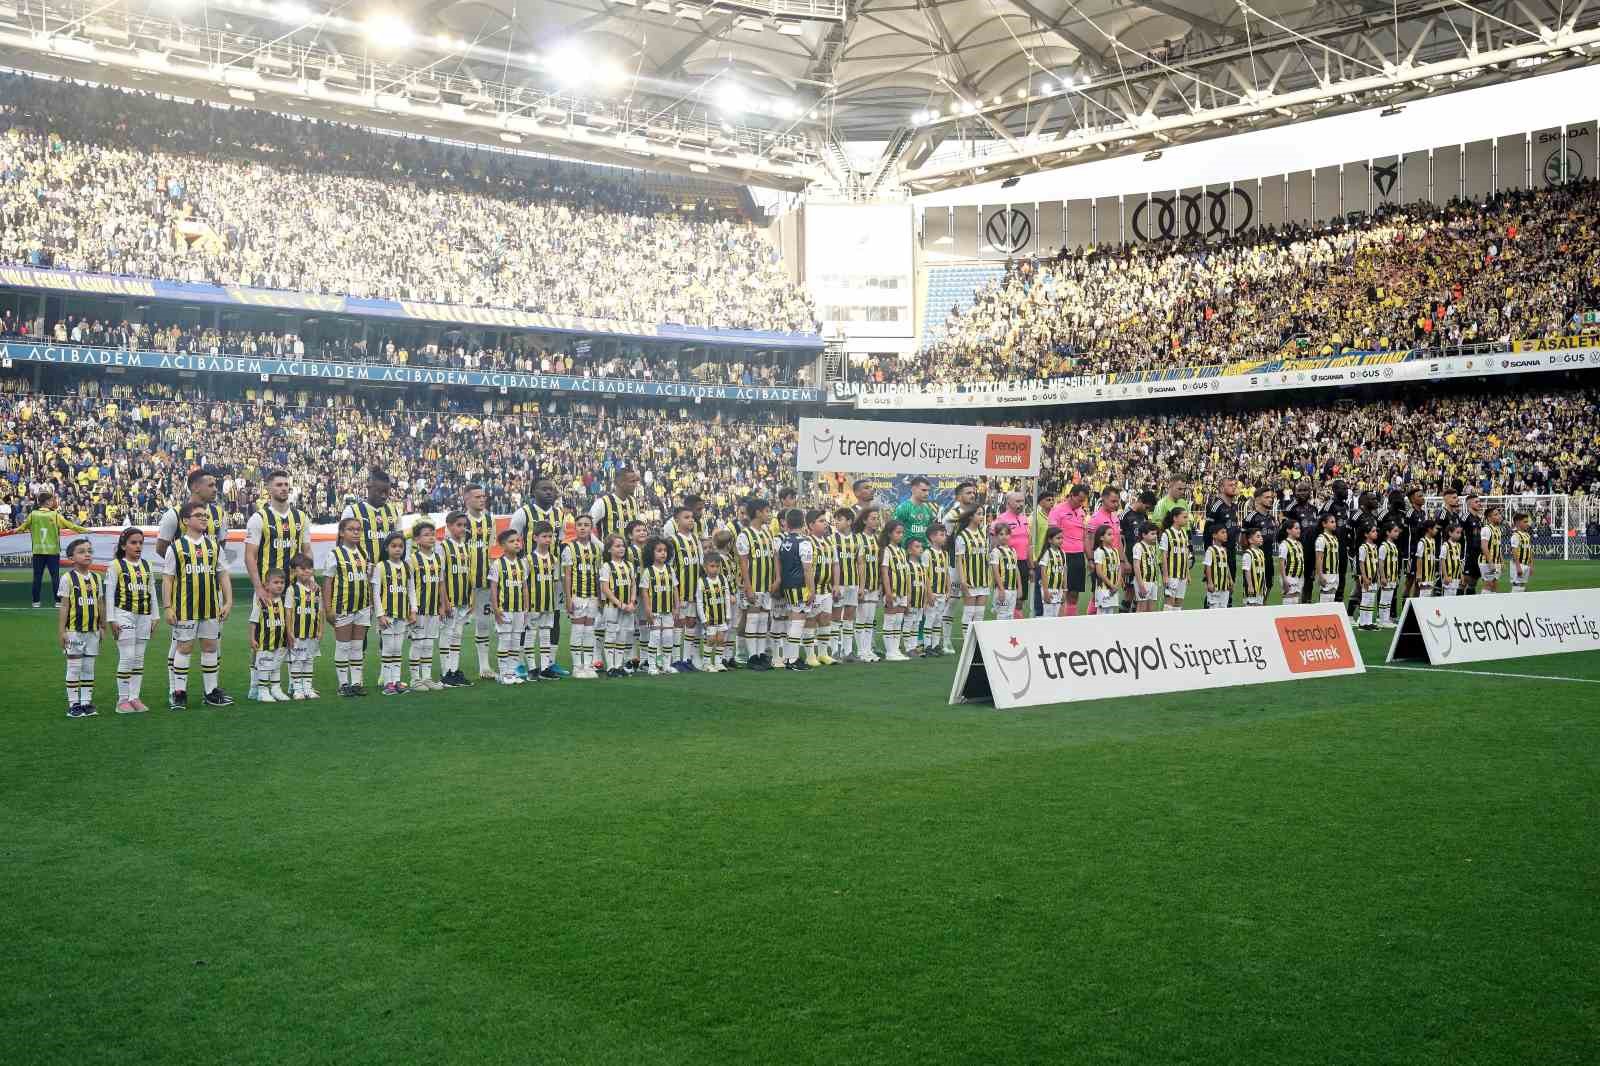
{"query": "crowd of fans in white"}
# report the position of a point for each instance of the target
(116, 183)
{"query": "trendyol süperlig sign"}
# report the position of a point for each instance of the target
(857, 446)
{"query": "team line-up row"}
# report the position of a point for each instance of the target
(673, 602)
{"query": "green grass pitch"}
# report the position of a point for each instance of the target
(1399, 868)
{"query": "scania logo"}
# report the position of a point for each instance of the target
(822, 447)
(1216, 220)
(1008, 230)
(1019, 678)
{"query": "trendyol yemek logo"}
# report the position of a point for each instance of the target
(1020, 662)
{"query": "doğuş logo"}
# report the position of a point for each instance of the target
(822, 446)
(1020, 662)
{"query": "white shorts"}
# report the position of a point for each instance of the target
(396, 628)
(141, 625)
(83, 645)
(1423, 591)
(1489, 571)
(426, 627)
(184, 632)
(305, 650)
(870, 597)
(1150, 594)
(1292, 593)
(1107, 598)
(1254, 601)
(362, 617)
(270, 660)
(716, 631)
(895, 603)
(940, 606)
(1005, 602)
(823, 601)
(849, 596)
(1219, 599)
(1450, 588)
(585, 607)
(616, 617)
(759, 602)
(1177, 588)
(513, 626)
(457, 617)
(483, 606)
(975, 591)
(1330, 582)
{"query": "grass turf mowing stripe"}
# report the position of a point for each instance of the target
(1485, 673)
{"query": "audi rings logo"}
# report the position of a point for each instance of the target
(1181, 215)
(1008, 230)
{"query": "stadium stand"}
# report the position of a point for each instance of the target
(1519, 265)
(115, 183)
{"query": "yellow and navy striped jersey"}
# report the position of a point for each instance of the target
(634, 554)
(938, 571)
(376, 524)
(706, 526)
(758, 542)
(1147, 562)
(1218, 576)
(270, 622)
(1389, 563)
(581, 561)
(1492, 540)
(1176, 553)
(1253, 572)
(1294, 561)
(659, 587)
(135, 592)
(544, 571)
(427, 572)
(615, 514)
(620, 576)
(918, 595)
(350, 590)
(1005, 557)
(391, 589)
(480, 535)
(552, 516)
(897, 571)
(1521, 548)
(972, 556)
(866, 546)
(1111, 560)
(1451, 560)
(85, 602)
(1368, 563)
(508, 577)
(1427, 561)
(195, 593)
(1053, 570)
(304, 603)
(713, 595)
(686, 561)
(822, 560)
(281, 538)
(460, 573)
(216, 522)
(848, 552)
(1328, 546)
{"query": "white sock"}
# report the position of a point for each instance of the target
(210, 668)
(179, 673)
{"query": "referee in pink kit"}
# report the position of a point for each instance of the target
(1069, 516)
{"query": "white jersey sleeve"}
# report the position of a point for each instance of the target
(807, 552)
(167, 529)
(519, 522)
(64, 589)
(597, 510)
(253, 529)
(348, 512)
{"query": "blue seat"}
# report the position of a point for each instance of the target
(953, 286)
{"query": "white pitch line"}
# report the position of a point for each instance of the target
(1489, 673)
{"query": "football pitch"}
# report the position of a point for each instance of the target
(835, 867)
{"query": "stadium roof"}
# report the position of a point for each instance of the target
(765, 91)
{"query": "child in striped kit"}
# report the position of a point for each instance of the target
(426, 563)
(269, 639)
(396, 610)
(80, 618)
(618, 584)
(508, 593)
(130, 616)
(304, 604)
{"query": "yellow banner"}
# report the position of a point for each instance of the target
(1557, 344)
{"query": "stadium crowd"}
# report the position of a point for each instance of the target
(1521, 264)
(114, 454)
(118, 183)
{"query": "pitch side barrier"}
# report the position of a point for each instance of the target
(1441, 630)
(1032, 661)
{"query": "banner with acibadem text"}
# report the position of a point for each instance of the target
(916, 448)
(1471, 629)
(1031, 661)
